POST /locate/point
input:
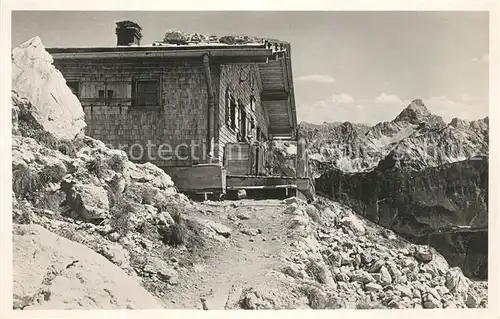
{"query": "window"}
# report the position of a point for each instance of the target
(232, 113)
(258, 137)
(251, 130)
(110, 96)
(243, 122)
(227, 108)
(145, 93)
(252, 103)
(237, 115)
(74, 86)
(101, 94)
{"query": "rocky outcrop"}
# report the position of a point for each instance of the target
(340, 145)
(77, 188)
(416, 204)
(176, 37)
(415, 175)
(51, 272)
(335, 265)
(439, 144)
(53, 106)
(415, 139)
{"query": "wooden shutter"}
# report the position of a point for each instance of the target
(227, 107)
(134, 92)
(237, 116)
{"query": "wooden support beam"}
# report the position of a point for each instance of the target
(246, 180)
(237, 54)
(274, 95)
(261, 187)
(277, 131)
(210, 108)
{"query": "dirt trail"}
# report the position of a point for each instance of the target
(238, 264)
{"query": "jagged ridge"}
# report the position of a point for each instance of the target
(415, 139)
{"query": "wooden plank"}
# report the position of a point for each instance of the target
(286, 76)
(238, 158)
(239, 180)
(208, 46)
(303, 184)
(277, 130)
(274, 95)
(262, 187)
(198, 178)
(261, 161)
(239, 167)
(258, 54)
(301, 158)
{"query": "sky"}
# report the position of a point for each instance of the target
(357, 66)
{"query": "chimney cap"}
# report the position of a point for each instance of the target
(127, 24)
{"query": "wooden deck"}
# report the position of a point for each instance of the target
(303, 185)
(205, 178)
(212, 179)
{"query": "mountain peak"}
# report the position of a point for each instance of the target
(459, 123)
(414, 113)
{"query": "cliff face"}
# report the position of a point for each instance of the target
(424, 179)
(418, 203)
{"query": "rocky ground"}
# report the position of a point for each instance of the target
(266, 254)
(291, 255)
(424, 205)
(52, 272)
(416, 175)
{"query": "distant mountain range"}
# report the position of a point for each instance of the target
(415, 139)
(416, 175)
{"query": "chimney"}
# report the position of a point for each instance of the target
(128, 33)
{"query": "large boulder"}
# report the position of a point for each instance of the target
(51, 272)
(52, 105)
(148, 173)
(456, 282)
(354, 223)
(89, 201)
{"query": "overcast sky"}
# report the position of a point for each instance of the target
(348, 66)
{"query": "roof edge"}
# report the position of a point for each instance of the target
(259, 54)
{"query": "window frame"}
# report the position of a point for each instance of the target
(237, 115)
(227, 108)
(136, 95)
(251, 127)
(252, 102)
(243, 121)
